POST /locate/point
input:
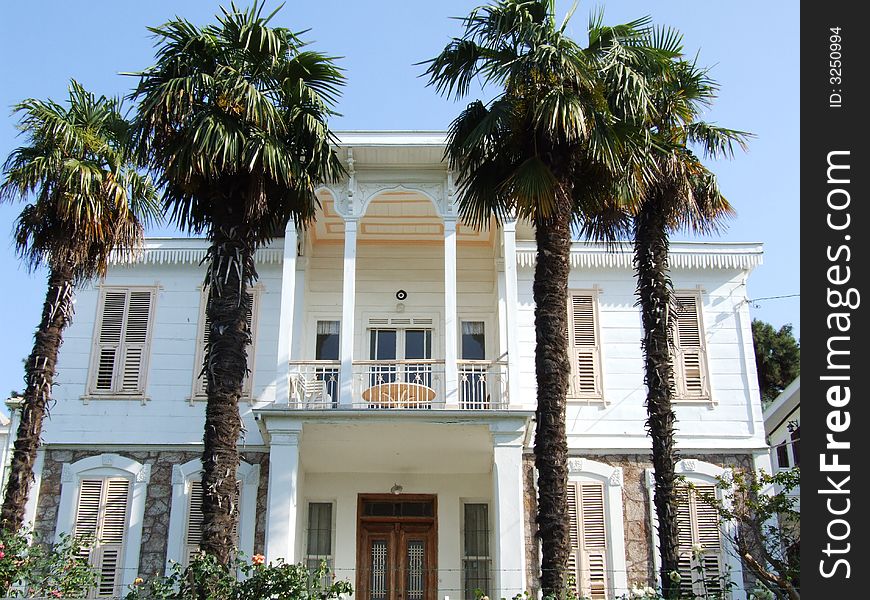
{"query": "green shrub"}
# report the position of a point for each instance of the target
(30, 570)
(206, 579)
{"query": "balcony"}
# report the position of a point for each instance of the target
(417, 384)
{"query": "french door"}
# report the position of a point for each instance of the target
(396, 557)
(398, 348)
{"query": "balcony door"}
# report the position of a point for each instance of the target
(397, 549)
(393, 352)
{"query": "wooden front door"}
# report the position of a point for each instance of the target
(397, 548)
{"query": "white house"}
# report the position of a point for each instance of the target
(782, 422)
(390, 402)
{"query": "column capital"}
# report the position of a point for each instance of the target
(351, 224)
(509, 225)
(507, 435)
(450, 223)
(284, 438)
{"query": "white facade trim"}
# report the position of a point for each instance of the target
(683, 255)
(107, 465)
(699, 471)
(584, 469)
(182, 477)
(179, 251)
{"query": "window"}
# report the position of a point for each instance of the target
(185, 514)
(690, 361)
(199, 385)
(588, 535)
(101, 515)
(583, 346)
(701, 561)
(103, 497)
(327, 348)
(703, 538)
(123, 333)
(476, 558)
(387, 346)
(473, 380)
(782, 455)
(193, 533)
(318, 546)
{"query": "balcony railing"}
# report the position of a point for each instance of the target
(417, 384)
(483, 385)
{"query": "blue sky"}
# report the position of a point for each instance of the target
(752, 47)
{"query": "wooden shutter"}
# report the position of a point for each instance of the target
(193, 535)
(583, 347)
(588, 536)
(122, 342)
(698, 524)
(193, 532)
(135, 340)
(204, 334)
(101, 515)
(689, 359)
(109, 342)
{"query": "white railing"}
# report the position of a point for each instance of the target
(314, 384)
(417, 384)
(483, 385)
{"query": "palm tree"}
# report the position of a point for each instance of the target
(88, 201)
(551, 148)
(233, 119)
(683, 194)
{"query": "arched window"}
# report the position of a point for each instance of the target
(185, 519)
(597, 534)
(103, 497)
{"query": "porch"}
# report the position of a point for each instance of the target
(405, 506)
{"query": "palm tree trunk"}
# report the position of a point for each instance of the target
(653, 290)
(552, 370)
(39, 375)
(230, 271)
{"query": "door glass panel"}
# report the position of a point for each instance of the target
(473, 393)
(378, 584)
(382, 346)
(418, 344)
(415, 573)
(326, 348)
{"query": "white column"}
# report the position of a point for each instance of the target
(348, 308)
(508, 514)
(284, 497)
(451, 326)
(511, 302)
(285, 318)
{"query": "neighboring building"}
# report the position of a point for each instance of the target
(782, 423)
(390, 402)
(6, 439)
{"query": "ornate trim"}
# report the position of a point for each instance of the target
(144, 474)
(188, 251)
(576, 465)
(589, 255)
(616, 477)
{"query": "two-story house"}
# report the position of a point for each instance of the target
(390, 402)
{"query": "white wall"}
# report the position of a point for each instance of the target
(731, 420)
(168, 416)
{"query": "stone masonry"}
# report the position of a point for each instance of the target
(155, 525)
